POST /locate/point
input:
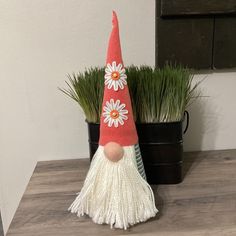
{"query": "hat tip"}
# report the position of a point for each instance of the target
(113, 13)
(114, 18)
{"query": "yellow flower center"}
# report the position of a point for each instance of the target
(114, 114)
(115, 75)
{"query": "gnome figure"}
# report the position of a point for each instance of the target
(115, 190)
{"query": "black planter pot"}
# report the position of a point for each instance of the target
(161, 145)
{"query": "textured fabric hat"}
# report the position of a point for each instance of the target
(117, 122)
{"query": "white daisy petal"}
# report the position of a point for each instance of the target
(106, 113)
(123, 81)
(109, 67)
(120, 84)
(106, 109)
(116, 123)
(108, 70)
(124, 117)
(122, 71)
(112, 103)
(107, 76)
(119, 67)
(107, 82)
(116, 105)
(123, 112)
(113, 83)
(124, 76)
(115, 86)
(120, 121)
(110, 122)
(106, 119)
(109, 86)
(108, 104)
(114, 66)
(120, 108)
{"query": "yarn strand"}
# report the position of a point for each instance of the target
(115, 193)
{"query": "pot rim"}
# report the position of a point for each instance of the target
(138, 123)
(186, 115)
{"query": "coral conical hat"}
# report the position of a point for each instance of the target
(117, 122)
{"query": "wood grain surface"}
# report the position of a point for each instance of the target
(204, 204)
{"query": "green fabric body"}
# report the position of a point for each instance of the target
(139, 161)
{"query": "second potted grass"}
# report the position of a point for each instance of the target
(159, 98)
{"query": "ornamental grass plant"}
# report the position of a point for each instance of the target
(87, 90)
(157, 95)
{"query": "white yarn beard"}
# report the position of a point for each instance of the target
(115, 193)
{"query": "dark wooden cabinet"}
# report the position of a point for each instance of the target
(199, 7)
(185, 41)
(224, 54)
(198, 34)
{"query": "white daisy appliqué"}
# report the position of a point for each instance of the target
(114, 113)
(115, 76)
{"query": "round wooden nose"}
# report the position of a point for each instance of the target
(113, 151)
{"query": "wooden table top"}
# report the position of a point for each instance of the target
(204, 204)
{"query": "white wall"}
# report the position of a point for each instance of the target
(43, 40)
(40, 42)
(212, 118)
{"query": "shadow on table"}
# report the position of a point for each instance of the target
(190, 161)
(158, 201)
